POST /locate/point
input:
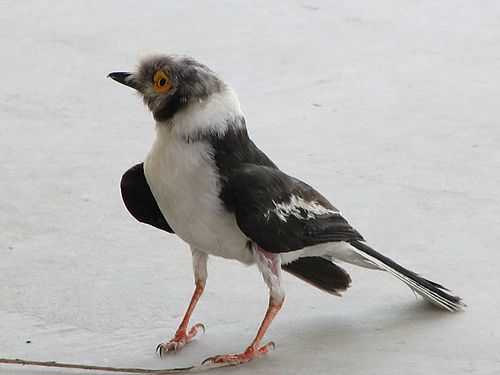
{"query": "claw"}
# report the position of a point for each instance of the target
(159, 348)
(270, 345)
(196, 328)
(248, 355)
(179, 340)
(208, 360)
(169, 346)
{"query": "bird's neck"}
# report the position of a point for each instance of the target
(204, 118)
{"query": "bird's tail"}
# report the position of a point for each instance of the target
(430, 290)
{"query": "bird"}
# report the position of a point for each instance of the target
(207, 182)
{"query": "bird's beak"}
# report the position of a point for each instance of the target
(124, 78)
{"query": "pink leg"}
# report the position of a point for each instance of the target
(270, 266)
(181, 337)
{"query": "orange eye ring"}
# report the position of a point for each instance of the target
(162, 82)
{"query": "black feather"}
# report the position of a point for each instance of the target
(139, 200)
(254, 191)
(432, 286)
(321, 273)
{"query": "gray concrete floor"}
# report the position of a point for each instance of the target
(391, 109)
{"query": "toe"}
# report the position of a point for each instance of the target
(169, 346)
(195, 329)
(179, 340)
(248, 355)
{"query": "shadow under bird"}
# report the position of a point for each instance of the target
(207, 182)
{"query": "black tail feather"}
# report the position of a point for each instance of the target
(430, 290)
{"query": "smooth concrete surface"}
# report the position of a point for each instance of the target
(389, 108)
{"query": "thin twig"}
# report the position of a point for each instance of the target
(191, 369)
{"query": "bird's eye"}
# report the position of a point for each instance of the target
(162, 82)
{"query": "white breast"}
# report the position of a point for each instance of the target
(185, 183)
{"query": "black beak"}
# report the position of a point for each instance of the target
(124, 78)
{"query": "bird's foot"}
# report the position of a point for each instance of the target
(249, 354)
(179, 340)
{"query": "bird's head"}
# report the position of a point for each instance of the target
(169, 83)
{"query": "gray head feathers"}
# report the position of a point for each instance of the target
(168, 83)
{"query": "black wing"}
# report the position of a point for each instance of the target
(281, 213)
(139, 200)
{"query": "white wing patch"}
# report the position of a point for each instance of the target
(299, 208)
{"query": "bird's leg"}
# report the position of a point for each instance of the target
(182, 336)
(270, 266)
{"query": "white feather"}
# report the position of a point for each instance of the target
(185, 183)
(340, 251)
(210, 115)
(343, 251)
(428, 294)
(292, 208)
(270, 266)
